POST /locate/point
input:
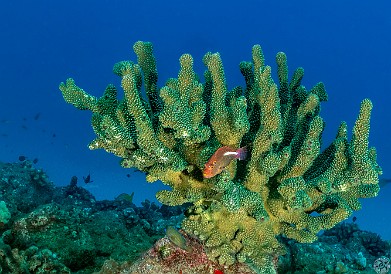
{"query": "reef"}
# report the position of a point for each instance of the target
(66, 230)
(329, 254)
(342, 249)
(286, 186)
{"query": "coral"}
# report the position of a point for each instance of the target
(80, 236)
(65, 229)
(362, 241)
(5, 215)
(343, 249)
(23, 180)
(343, 231)
(31, 260)
(374, 244)
(166, 257)
(287, 186)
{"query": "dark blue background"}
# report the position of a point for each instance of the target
(345, 44)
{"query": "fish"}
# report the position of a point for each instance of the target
(126, 197)
(222, 158)
(177, 238)
(384, 181)
(87, 179)
(36, 117)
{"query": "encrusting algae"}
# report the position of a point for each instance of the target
(286, 186)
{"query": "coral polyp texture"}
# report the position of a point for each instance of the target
(285, 186)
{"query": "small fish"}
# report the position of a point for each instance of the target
(384, 181)
(36, 117)
(222, 158)
(87, 179)
(217, 271)
(354, 219)
(177, 238)
(126, 197)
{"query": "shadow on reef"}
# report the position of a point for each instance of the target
(48, 229)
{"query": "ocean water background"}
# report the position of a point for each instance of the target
(345, 44)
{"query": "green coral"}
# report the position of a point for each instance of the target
(286, 187)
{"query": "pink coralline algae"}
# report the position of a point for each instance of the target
(166, 257)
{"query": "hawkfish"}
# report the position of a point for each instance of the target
(222, 158)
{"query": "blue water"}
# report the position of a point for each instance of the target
(345, 44)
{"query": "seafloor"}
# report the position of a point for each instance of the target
(49, 229)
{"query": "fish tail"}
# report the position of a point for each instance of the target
(241, 153)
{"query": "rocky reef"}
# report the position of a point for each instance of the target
(53, 229)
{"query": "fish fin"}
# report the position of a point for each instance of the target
(241, 153)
